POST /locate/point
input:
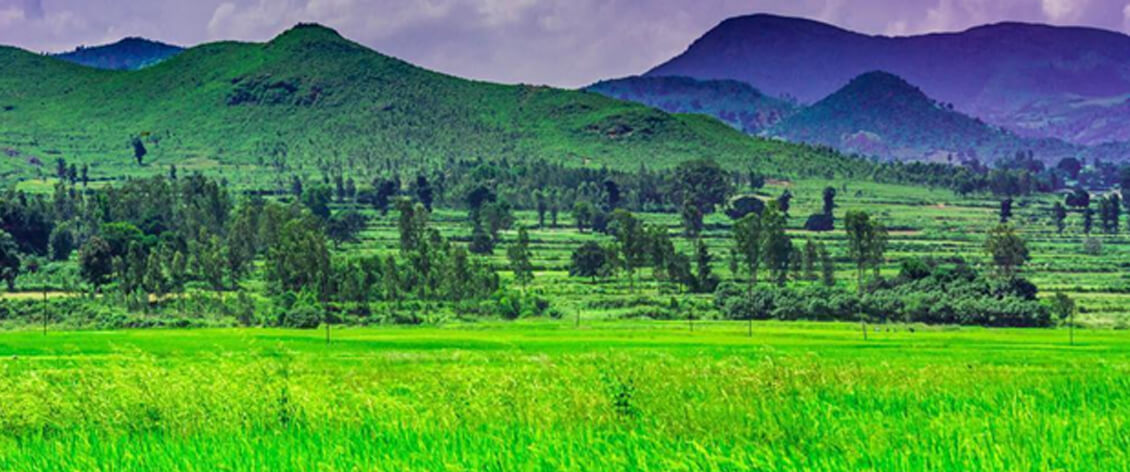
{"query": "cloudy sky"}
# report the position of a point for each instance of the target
(559, 42)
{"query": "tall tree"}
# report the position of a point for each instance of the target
(829, 200)
(811, 258)
(1007, 250)
(481, 241)
(702, 184)
(541, 206)
(424, 191)
(582, 215)
(705, 280)
(300, 259)
(1063, 307)
(748, 244)
(96, 262)
(631, 242)
(520, 258)
(589, 260)
(1059, 215)
(827, 267)
(9, 259)
(777, 245)
(866, 243)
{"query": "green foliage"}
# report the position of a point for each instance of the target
(867, 242)
(519, 255)
(9, 259)
(1007, 250)
(590, 260)
(300, 259)
(96, 261)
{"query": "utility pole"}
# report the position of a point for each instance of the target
(45, 309)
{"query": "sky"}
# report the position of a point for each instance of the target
(567, 43)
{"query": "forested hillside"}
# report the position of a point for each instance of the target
(312, 102)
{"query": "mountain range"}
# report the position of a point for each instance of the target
(984, 93)
(1038, 81)
(311, 101)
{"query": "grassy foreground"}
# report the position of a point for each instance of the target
(548, 396)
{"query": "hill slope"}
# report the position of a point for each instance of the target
(735, 103)
(312, 101)
(127, 54)
(992, 72)
(881, 114)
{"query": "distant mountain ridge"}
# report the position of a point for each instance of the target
(994, 72)
(735, 103)
(881, 114)
(128, 54)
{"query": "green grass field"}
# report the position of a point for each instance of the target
(549, 396)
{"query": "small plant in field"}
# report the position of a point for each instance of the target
(621, 393)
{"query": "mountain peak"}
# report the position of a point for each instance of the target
(879, 89)
(307, 32)
(881, 80)
(778, 23)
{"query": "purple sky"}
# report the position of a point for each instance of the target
(559, 42)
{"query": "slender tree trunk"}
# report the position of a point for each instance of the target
(752, 280)
(1071, 329)
(860, 271)
(751, 325)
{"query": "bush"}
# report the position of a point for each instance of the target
(820, 222)
(923, 293)
(301, 317)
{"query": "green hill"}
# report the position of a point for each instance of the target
(312, 102)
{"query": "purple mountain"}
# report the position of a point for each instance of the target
(127, 54)
(1031, 79)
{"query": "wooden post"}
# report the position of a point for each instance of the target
(751, 326)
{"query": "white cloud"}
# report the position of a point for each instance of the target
(1063, 10)
(1126, 18)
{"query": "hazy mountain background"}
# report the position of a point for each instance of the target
(128, 54)
(983, 93)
